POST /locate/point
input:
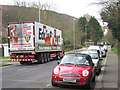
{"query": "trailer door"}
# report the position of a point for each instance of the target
(21, 37)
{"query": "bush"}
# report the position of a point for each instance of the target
(116, 50)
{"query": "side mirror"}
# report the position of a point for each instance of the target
(58, 62)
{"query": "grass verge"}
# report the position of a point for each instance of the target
(9, 61)
(4, 57)
(1, 64)
(116, 50)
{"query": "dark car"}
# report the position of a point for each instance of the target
(74, 69)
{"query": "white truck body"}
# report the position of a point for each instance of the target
(34, 37)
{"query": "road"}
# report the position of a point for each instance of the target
(39, 75)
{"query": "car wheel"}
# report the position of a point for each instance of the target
(89, 84)
(94, 77)
(98, 72)
(53, 83)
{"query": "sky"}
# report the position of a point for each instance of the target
(75, 8)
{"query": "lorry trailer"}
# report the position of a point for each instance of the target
(33, 41)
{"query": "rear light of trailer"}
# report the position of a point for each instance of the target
(12, 57)
(26, 57)
(31, 56)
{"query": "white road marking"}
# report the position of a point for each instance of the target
(48, 85)
(21, 69)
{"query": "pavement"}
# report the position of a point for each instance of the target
(109, 74)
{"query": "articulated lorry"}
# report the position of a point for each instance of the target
(33, 41)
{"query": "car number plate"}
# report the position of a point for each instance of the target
(69, 80)
(21, 56)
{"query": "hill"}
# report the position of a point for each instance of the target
(19, 14)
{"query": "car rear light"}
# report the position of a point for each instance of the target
(104, 49)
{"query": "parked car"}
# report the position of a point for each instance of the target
(96, 60)
(106, 48)
(103, 52)
(95, 48)
(74, 69)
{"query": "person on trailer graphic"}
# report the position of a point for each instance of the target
(13, 34)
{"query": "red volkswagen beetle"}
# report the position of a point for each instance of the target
(74, 69)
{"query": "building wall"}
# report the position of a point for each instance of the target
(4, 50)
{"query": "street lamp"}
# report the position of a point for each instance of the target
(39, 11)
(74, 32)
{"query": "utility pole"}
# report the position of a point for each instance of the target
(74, 32)
(39, 11)
(86, 33)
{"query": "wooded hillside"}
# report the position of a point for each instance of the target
(19, 14)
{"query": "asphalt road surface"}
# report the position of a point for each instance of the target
(39, 75)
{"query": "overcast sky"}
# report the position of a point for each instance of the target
(75, 8)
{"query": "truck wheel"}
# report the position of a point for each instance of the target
(48, 57)
(41, 58)
(45, 57)
(58, 56)
(22, 62)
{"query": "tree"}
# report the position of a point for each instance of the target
(4, 39)
(96, 30)
(108, 38)
(80, 30)
(110, 14)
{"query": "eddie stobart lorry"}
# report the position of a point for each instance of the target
(33, 41)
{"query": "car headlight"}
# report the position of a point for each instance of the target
(56, 70)
(85, 73)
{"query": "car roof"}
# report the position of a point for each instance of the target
(92, 52)
(84, 52)
(94, 47)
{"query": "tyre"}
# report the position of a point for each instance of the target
(48, 57)
(94, 77)
(45, 57)
(98, 72)
(22, 62)
(41, 58)
(53, 83)
(89, 84)
(58, 56)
